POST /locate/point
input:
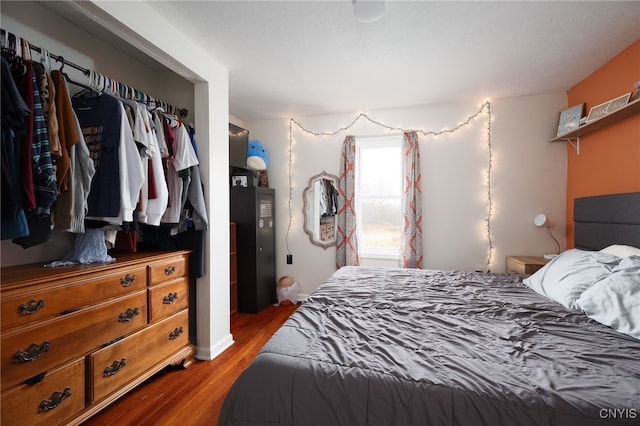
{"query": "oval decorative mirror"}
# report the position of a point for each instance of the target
(320, 209)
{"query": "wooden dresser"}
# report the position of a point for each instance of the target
(76, 338)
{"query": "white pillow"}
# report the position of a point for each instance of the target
(621, 250)
(566, 276)
(615, 300)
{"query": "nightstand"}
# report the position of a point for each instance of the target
(525, 264)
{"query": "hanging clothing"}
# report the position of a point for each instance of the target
(14, 109)
(177, 172)
(99, 166)
(196, 200)
(44, 178)
(47, 97)
(196, 191)
(82, 172)
(43, 182)
(67, 132)
(99, 119)
(328, 198)
(131, 172)
(158, 191)
(119, 173)
(15, 223)
(154, 194)
(15, 113)
(158, 128)
(29, 185)
(23, 81)
(71, 206)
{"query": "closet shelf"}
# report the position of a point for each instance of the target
(631, 109)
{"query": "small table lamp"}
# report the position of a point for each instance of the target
(540, 221)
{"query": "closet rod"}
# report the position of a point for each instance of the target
(85, 71)
(9, 38)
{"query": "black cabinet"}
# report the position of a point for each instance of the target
(253, 211)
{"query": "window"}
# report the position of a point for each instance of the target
(379, 196)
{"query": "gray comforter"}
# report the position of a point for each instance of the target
(386, 346)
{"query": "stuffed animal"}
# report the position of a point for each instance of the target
(257, 158)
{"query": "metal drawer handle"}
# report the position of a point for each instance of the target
(56, 399)
(169, 270)
(31, 307)
(169, 298)
(176, 333)
(128, 315)
(32, 352)
(114, 368)
(128, 280)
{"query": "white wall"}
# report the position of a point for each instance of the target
(528, 177)
(173, 69)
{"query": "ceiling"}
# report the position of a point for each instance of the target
(301, 58)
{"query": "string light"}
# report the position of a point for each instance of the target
(484, 108)
(290, 185)
(489, 199)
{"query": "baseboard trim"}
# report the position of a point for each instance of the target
(208, 354)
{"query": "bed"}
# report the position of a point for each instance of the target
(391, 346)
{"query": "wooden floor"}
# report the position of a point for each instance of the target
(194, 396)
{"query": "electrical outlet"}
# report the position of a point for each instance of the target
(289, 259)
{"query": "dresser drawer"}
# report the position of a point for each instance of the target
(173, 267)
(38, 302)
(57, 397)
(22, 307)
(167, 299)
(27, 351)
(115, 365)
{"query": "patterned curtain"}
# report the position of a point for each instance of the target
(347, 250)
(411, 240)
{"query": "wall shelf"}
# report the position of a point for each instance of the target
(631, 109)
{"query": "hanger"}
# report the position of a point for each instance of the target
(88, 90)
(45, 60)
(13, 56)
(25, 51)
(17, 46)
(15, 50)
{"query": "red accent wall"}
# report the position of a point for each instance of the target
(609, 159)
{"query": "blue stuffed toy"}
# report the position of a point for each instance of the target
(257, 158)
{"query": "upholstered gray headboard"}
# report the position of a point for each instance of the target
(607, 219)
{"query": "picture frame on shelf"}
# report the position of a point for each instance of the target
(608, 107)
(569, 119)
